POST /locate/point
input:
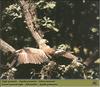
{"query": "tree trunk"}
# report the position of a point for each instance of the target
(32, 23)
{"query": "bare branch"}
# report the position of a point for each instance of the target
(6, 47)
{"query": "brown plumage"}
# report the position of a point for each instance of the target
(30, 55)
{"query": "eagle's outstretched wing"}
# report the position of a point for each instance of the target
(31, 55)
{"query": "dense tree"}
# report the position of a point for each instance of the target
(68, 25)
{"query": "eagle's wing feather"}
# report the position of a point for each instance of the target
(31, 55)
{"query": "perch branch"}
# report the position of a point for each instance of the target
(5, 47)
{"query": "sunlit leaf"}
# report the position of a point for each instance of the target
(64, 47)
(76, 49)
(94, 29)
(50, 5)
(98, 18)
(97, 61)
(85, 50)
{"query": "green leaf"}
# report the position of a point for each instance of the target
(94, 29)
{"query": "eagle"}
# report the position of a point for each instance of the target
(29, 55)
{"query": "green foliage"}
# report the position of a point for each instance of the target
(64, 47)
(14, 11)
(49, 24)
(45, 21)
(42, 4)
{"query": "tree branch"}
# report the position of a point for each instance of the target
(5, 47)
(31, 24)
(92, 58)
